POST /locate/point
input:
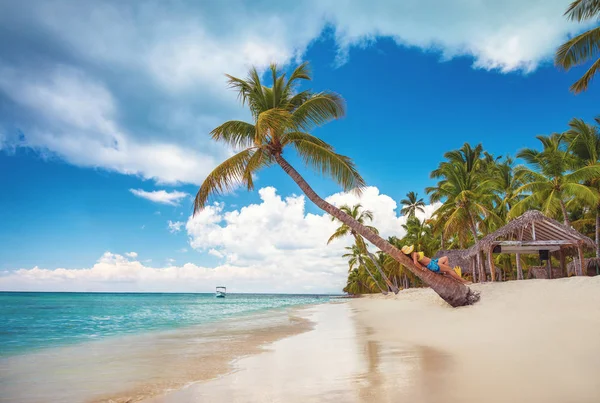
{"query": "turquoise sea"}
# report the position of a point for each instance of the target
(34, 321)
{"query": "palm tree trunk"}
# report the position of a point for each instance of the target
(363, 248)
(519, 267)
(480, 258)
(564, 213)
(360, 261)
(452, 291)
(598, 231)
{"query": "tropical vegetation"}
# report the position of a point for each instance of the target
(479, 192)
(584, 47)
(282, 118)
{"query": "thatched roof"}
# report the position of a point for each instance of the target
(522, 229)
(456, 257)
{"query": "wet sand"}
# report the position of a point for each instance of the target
(134, 368)
(528, 341)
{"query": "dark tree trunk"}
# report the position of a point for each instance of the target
(519, 267)
(565, 214)
(452, 291)
(598, 231)
(363, 247)
(360, 261)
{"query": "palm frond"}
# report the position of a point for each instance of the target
(583, 83)
(236, 133)
(581, 10)
(338, 167)
(578, 49)
(225, 177)
(318, 110)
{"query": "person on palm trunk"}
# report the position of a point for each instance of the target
(435, 265)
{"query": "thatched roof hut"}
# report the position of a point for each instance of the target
(532, 232)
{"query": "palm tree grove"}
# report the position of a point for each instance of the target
(475, 193)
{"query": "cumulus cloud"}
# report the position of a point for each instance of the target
(271, 246)
(279, 233)
(113, 272)
(135, 88)
(161, 196)
(174, 226)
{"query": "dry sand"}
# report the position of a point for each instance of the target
(527, 341)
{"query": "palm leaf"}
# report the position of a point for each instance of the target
(583, 83)
(578, 49)
(581, 10)
(236, 133)
(225, 177)
(338, 167)
(318, 110)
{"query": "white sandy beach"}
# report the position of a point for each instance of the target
(527, 341)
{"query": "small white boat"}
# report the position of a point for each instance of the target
(221, 292)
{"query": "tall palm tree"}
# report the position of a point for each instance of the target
(356, 263)
(412, 204)
(360, 216)
(584, 141)
(583, 47)
(465, 190)
(505, 183)
(281, 118)
(555, 180)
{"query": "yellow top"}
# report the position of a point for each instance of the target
(420, 255)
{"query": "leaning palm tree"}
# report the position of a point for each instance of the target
(412, 204)
(282, 118)
(357, 264)
(556, 179)
(360, 216)
(584, 141)
(583, 47)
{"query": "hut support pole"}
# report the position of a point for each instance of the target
(472, 263)
(519, 267)
(491, 264)
(581, 265)
(549, 268)
(563, 267)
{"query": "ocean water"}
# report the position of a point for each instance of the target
(35, 321)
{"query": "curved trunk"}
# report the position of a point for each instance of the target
(452, 291)
(598, 231)
(363, 247)
(480, 258)
(360, 261)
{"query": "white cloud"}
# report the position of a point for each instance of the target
(182, 250)
(272, 246)
(113, 272)
(136, 88)
(174, 226)
(161, 196)
(279, 233)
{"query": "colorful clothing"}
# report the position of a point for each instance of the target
(420, 256)
(434, 266)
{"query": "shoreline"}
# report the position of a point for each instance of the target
(530, 341)
(132, 368)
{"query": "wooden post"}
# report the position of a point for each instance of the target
(563, 266)
(549, 268)
(472, 263)
(491, 263)
(519, 267)
(582, 270)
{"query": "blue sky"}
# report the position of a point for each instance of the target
(123, 99)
